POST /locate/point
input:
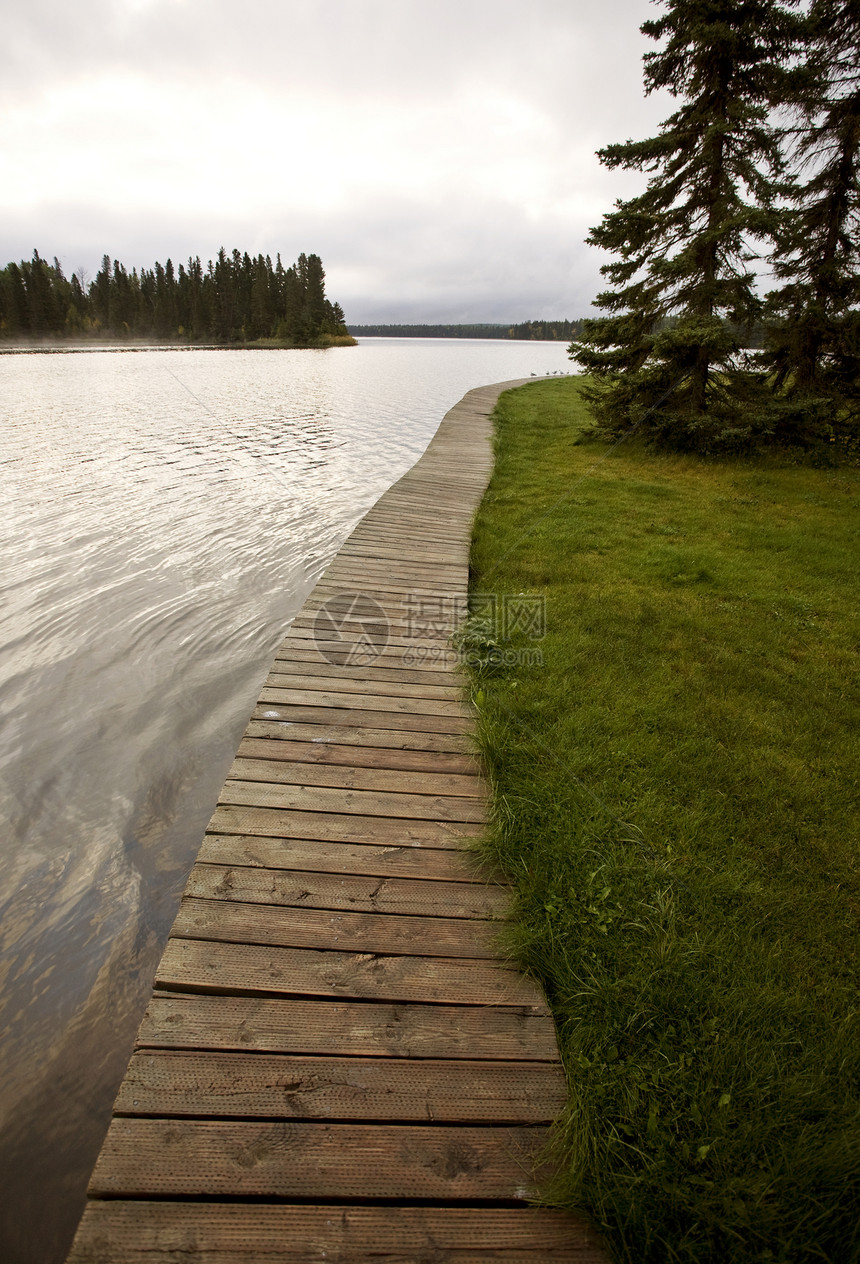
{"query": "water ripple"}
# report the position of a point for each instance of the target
(165, 516)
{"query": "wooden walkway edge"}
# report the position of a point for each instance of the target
(336, 1063)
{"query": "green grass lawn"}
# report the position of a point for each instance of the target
(676, 804)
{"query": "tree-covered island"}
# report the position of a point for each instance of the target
(235, 300)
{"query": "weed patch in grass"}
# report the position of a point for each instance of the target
(675, 799)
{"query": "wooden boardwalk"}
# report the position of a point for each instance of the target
(335, 1063)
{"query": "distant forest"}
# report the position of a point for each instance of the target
(529, 331)
(236, 300)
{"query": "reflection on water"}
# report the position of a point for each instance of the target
(165, 515)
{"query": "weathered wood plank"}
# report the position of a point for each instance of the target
(318, 856)
(350, 1028)
(368, 685)
(417, 572)
(430, 563)
(400, 495)
(396, 526)
(286, 1159)
(329, 696)
(294, 661)
(276, 766)
(273, 823)
(118, 1232)
(330, 714)
(426, 565)
(231, 921)
(395, 657)
(198, 964)
(469, 899)
(412, 653)
(445, 483)
(440, 763)
(246, 1085)
(388, 530)
(397, 629)
(281, 722)
(427, 554)
(415, 807)
(400, 633)
(396, 593)
(381, 532)
(386, 541)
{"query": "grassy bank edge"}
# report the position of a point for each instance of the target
(692, 919)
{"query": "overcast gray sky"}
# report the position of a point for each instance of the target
(438, 156)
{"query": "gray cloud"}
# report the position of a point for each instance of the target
(439, 158)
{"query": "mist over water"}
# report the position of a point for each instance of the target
(165, 515)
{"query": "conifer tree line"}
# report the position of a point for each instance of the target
(236, 299)
(526, 331)
(750, 215)
(542, 330)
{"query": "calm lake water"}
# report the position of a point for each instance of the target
(165, 514)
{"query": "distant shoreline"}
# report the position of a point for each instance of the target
(513, 331)
(61, 347)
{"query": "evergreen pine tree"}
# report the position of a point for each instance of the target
(667, 355)
(77, 307)
(290, 327)
(814, 351)
(45, 312)
(14, 317)
(224, 286)
(146, 318)
(123, 303)
(261, 315)
(194, 298)
(315, 300)
(100, 294)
